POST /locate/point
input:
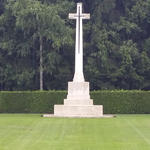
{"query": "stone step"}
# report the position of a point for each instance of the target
(78, 97)
(78, 111)
(71, 102)
(78, 90)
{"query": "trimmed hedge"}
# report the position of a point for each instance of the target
(30, 102)
(114, 102)
(123, 101)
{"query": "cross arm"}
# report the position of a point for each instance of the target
(85, 16)
(72, 16)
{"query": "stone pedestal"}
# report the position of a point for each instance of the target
(78, 102)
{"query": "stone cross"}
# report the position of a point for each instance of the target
(79, 16)
(78, 102)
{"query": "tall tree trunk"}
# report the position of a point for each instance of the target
(41, 63)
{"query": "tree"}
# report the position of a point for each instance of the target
(43, 23)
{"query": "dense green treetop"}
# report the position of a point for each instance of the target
(37, 44)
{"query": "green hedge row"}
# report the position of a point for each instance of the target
(114, 102)
(123, 101)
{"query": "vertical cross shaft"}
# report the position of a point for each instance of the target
(79, 16)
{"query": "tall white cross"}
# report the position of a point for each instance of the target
(79, 16)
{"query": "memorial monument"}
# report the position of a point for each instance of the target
(78, 102)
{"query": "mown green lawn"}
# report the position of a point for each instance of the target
(32, 132)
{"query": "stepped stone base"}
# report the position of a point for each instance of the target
(79, 111)
(78, 103)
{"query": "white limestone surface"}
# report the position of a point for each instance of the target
(78, 102)
(79, 111)
(78, 91)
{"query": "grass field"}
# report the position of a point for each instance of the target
(32, 132)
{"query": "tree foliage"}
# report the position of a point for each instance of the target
(37, 44)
